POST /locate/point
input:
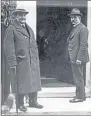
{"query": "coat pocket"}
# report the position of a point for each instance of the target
(19, 59)
(21, 55)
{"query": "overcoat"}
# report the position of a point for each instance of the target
(21, 51)
(5, 78)
(78, 44)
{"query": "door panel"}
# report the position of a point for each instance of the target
(53, 28)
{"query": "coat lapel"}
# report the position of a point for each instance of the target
(74, 32)
(30, 33)
(28, 30)
(21, 29)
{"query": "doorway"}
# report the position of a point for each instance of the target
(53, 28)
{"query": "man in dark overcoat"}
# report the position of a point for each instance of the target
(78, 53)
(5, 79)
(22, 57)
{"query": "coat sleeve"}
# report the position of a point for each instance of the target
(83, 43)
(9, 47)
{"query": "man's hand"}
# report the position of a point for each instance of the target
(14, 69)
(78, 62)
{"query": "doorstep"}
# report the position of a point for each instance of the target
(56, 103)
(57, 107)
(60, 92)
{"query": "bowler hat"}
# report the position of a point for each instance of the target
(75, 11)
(20, 11)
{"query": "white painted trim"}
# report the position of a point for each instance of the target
(88, 66)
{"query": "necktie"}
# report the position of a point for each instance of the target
(23, 26)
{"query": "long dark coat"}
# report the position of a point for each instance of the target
(5, 78)
(78, 44)
(21, 50)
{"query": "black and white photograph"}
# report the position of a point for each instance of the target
(46, 58)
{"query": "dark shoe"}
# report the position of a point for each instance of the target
(35, 105)
(23, 108)
(75, 100)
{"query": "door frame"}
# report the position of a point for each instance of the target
(88, 65)
(70, 3)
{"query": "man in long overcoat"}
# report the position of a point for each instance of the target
(22, 57)
(5, 79)
(78, 53)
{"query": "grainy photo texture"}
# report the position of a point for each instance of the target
(45, 57)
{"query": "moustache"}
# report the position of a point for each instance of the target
(22, 19)
(73, 22)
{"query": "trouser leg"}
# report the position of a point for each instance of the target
(34, 102)
(20, 100)
(33, 97)
(30, 98)
(78, 80)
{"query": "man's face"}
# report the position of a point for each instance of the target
(21, 18)
(75, 19)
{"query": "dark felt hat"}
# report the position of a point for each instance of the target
(75, 11)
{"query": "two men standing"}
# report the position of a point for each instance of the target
(22, 57)
(78, 53)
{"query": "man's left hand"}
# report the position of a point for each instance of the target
(78, 62)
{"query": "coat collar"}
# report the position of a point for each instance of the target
(74, 31)
(21, 29)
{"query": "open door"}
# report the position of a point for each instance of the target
(53, 28)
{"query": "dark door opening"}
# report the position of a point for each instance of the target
(53, 28)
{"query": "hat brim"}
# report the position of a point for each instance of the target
(75, 14)
(17, 12)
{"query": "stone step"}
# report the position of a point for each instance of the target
(57, 107)
(51, 87)
(60, 92)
